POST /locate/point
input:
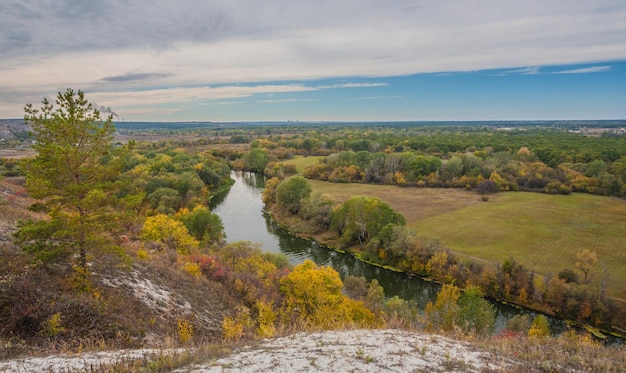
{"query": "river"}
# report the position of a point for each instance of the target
(242, 213)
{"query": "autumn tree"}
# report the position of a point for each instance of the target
(256, 160)
(444, 312)
(476, 314)
(170, 232)
(362, 218)
(586, 261)
(74, 173)
(313, 295)
(291, 192)
(203, 225)
(540, 327)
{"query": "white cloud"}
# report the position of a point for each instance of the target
(146, 53)
(586, 70)
(523, 71)
(279, 101)
(121, 99)
(368, 98)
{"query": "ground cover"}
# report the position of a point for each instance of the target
(543, 232)
(301, 161)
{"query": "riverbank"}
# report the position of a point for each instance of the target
(297, 227)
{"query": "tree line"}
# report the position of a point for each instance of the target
(372, 230)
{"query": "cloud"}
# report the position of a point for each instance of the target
(367, 98)
(284, 100)
(134, 77)
(522, 71)
(150, 51)
(586, 70)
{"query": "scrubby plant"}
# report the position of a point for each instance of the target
(540, 327)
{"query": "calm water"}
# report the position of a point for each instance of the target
(241, 210)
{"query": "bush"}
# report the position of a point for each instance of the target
(487, 187)
(540, 327)
(569, 276)
(291, 192)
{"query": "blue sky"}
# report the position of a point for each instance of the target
(352, 60)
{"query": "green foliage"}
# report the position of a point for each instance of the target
(443, 314)
(361, 219)
(476, 314)
(74, 172)
(318, 210)
(568, 275)
(291, 192)
(54, 325)
(540, 327)
(256, 160)
(204, 226)
(164, 200)
(401, 311)
(375, 296)
(519, 323)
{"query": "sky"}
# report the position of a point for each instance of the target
(320, 60)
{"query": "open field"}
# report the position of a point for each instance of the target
(543, 232)
(301, 161)
(17, 153)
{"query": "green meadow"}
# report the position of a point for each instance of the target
(301, 161)
(543, 232)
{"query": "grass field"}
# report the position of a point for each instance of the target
(543, 232)
(301, 161)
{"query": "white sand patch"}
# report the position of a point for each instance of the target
(80, 362)
(152, 295)
(357, 351)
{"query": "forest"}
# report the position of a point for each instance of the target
(96, 208)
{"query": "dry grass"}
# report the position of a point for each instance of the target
(543, 232)
(16, 153)
(14, 205)
(569, 352)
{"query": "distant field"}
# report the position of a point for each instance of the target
(543, 232)
(301, 161)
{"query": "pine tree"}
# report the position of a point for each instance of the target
(74, 175)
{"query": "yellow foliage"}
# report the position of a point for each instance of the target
(53, 325)
(399, 178)
(169, 231)
(444, 312)
(523, 296)
(540, 327)
(182, 212)
(185, 331)
(266, 319)
(233, 329)
(313, 295)
(437, 263)
(193, 269)
(142, 254)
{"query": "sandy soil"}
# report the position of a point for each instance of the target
(384, 350)
(380, 350)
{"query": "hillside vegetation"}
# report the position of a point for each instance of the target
(108, 245)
